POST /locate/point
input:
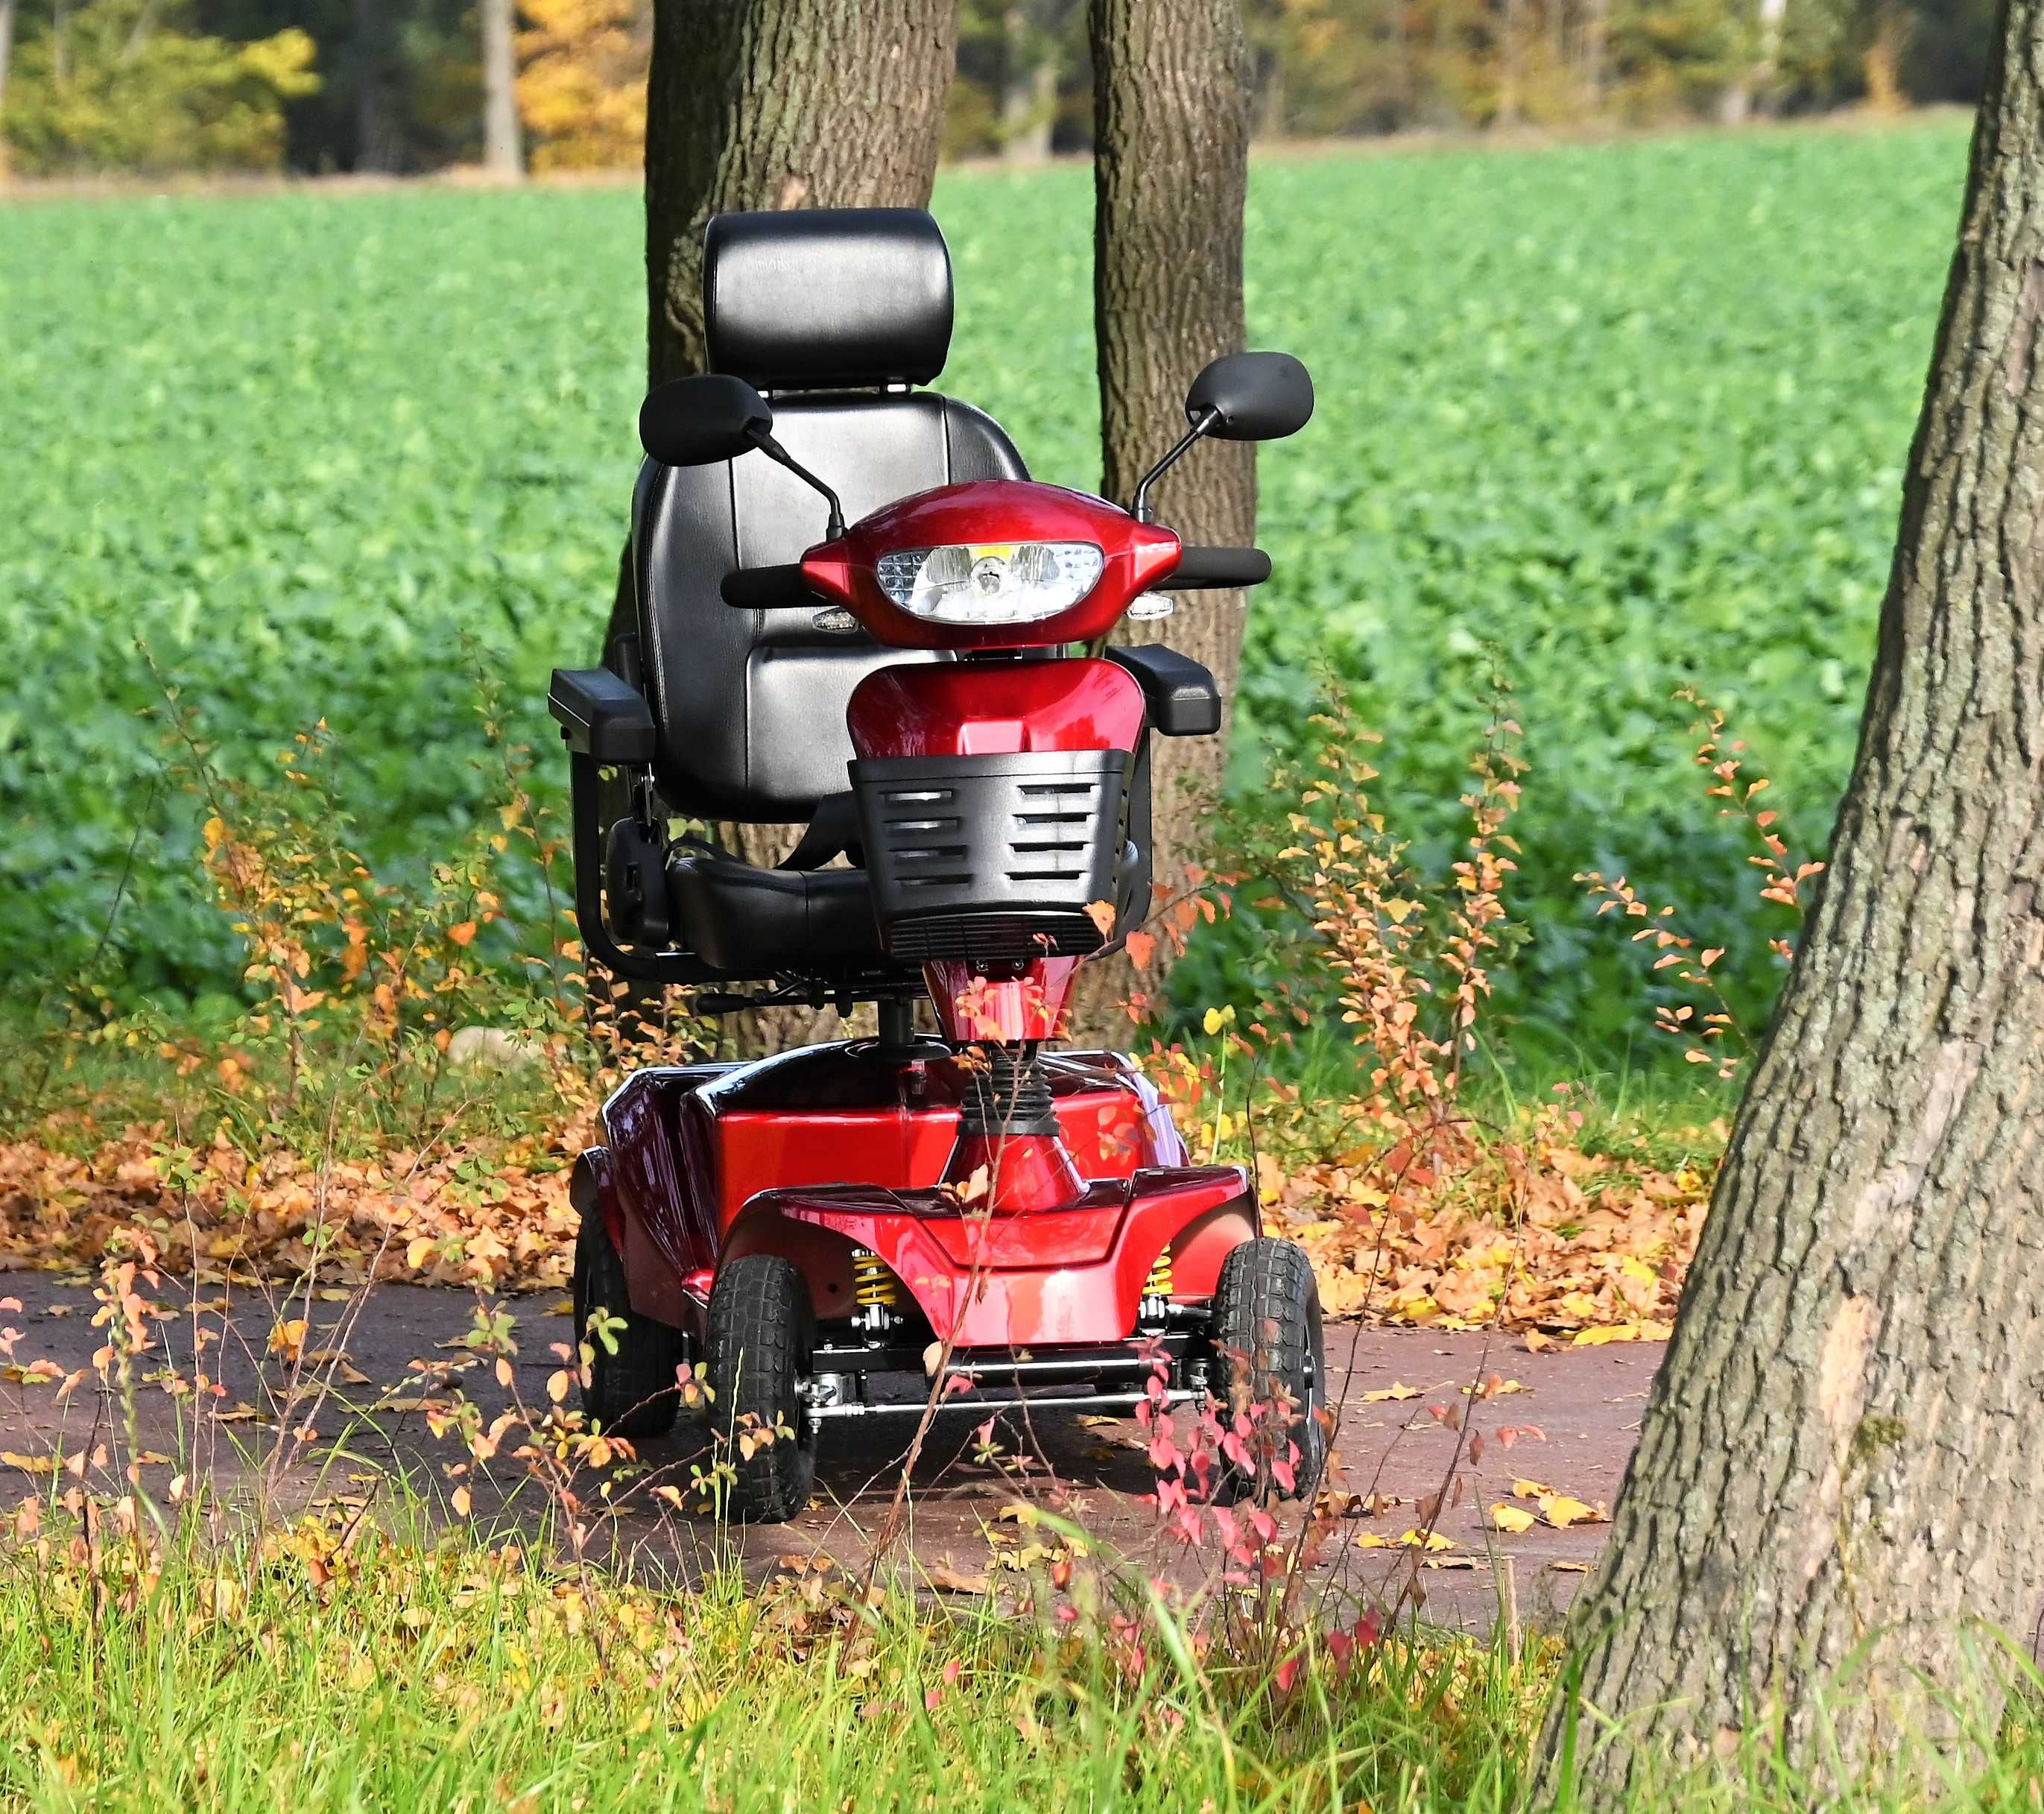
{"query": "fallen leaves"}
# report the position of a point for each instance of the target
(1553, 1241)
(496, 1214)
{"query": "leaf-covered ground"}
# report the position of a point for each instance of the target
(1629, 417)
(1578, 1246)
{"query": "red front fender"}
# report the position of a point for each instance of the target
(1016, 1281)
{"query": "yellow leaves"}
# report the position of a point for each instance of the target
(1393, 1392)
(1431, 1541)
(1557, 1509)
(1647, 1329)
(1215, 1019)
(288, 1338)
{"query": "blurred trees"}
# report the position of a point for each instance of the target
(398, 85)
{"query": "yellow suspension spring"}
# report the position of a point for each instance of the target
(873, 1282)
(1159, 1283)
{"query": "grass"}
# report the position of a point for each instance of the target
(459, 1674)
(336, 1666)
(1620, 417)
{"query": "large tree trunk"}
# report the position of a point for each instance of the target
(778, 104)
(503, 147)
(781, 104)
(1171, 118)
(1843, 1448)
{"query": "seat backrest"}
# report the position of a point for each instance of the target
(833, 313)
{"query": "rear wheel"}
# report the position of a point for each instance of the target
(632, 1393)
(1271, 1353)
(762, 1333)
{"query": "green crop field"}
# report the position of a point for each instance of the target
(1622, 419)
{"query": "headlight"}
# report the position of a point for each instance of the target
(991, 582)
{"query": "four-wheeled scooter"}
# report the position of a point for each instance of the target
(930, 693)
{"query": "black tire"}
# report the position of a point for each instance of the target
(1269, 1348)
(762, 1333)
(632, 1393)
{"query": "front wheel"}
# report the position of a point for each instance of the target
(1271, 1375)
(762, 1333)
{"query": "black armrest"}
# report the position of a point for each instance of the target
(601, 716)
(1182, 695)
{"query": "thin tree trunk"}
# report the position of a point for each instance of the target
(1510, 49)
(503, 146)
(1171, 118)
(1737, 105)
(371, 56)
(1842, 1450)
(1597, 21)
(777, 104)
(6, 57)
(1029, 90)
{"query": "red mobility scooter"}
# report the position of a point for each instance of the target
(932, 694)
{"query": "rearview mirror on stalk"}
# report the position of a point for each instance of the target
(699, 421)
(1240, 397)
(712, 417)
(1252, 397)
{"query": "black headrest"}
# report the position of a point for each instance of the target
(827, 298)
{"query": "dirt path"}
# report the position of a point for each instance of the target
(1575, 1415)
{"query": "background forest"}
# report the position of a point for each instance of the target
(405, 86)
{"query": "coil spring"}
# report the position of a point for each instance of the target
(1159, 1281)
(873, 1283)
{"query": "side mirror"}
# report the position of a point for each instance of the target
(1252, 397)
(1241, 396)
(697, 421)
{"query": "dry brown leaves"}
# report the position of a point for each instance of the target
(1577, 1247)
(1574, 1244)
(456, 1215)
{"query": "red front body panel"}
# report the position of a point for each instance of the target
(703, 1161)
(976, 709)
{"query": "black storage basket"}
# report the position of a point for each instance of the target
(992, 857)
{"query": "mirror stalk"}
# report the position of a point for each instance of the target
(1141, 508)
(780, 455)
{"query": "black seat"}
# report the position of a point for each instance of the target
(835, 314)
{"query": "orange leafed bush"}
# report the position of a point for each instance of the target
(582, 85)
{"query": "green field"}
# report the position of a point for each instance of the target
(1631, 418)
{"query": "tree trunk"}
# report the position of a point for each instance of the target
(1028, 88)
(778, 104)
(6, 57)
(372, 57)
(1842, 1449)
(781, 104)
(1596, 28)
(1736, 106)
(1510, 48)
(503, 148)
(1171, 107)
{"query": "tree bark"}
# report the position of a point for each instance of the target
(755, 104)
(1842, 1449)
(1171, 119)
(781, 104)
(6, 57)
(503, 146)
(1029, 86)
